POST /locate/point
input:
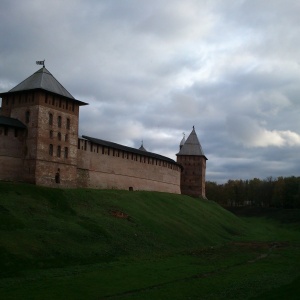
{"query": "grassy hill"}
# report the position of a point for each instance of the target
(53, 227)
(94, 244)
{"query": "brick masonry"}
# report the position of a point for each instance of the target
(50, 153)
(192, 181)
(52, 121)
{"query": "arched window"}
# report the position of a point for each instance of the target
(66, 138)
(59, 121)
(59, 136)
(51, 134)
(50, 119)
(51, 149)
(27, 116)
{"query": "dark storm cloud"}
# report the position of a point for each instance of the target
(152, 70)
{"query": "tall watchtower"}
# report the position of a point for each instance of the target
(50, 114)
(193, 161)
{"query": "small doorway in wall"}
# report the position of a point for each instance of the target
(57, 176)
(130, 189)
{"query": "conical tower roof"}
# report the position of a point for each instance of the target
(192, 145)
(182, 141)
(42, 79)
(142, 147)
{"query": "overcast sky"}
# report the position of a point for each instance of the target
(150, 70)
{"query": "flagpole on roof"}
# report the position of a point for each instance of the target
(41, 62)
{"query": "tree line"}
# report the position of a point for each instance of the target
(282, 192)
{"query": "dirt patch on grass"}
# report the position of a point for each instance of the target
(119, 214)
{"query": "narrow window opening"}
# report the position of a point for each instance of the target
(68, 123)
(27, 116)
(58, 151)
(59, 121)
(50, 119)
(66, 152)
(51, 149)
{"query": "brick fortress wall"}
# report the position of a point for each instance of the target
(193, 175)
(107, 168)
(12, 147)
(49, 145)
(46, 150)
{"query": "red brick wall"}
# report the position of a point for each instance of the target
(12, 149)
(87, 166)
(122, 170)
(193, 175)
(61, 134)
(39, 165)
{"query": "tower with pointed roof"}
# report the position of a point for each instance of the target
(191, 157)
(49, 116)
(39, 143)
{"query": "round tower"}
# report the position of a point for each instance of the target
(193, 161)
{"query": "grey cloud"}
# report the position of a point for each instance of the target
(152, 70)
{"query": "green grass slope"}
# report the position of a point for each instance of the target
(42, 227)
(98, 244)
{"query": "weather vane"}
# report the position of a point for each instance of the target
(41, 62)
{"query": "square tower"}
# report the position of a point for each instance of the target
(50, 114)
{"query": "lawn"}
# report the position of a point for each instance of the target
(91, 244)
